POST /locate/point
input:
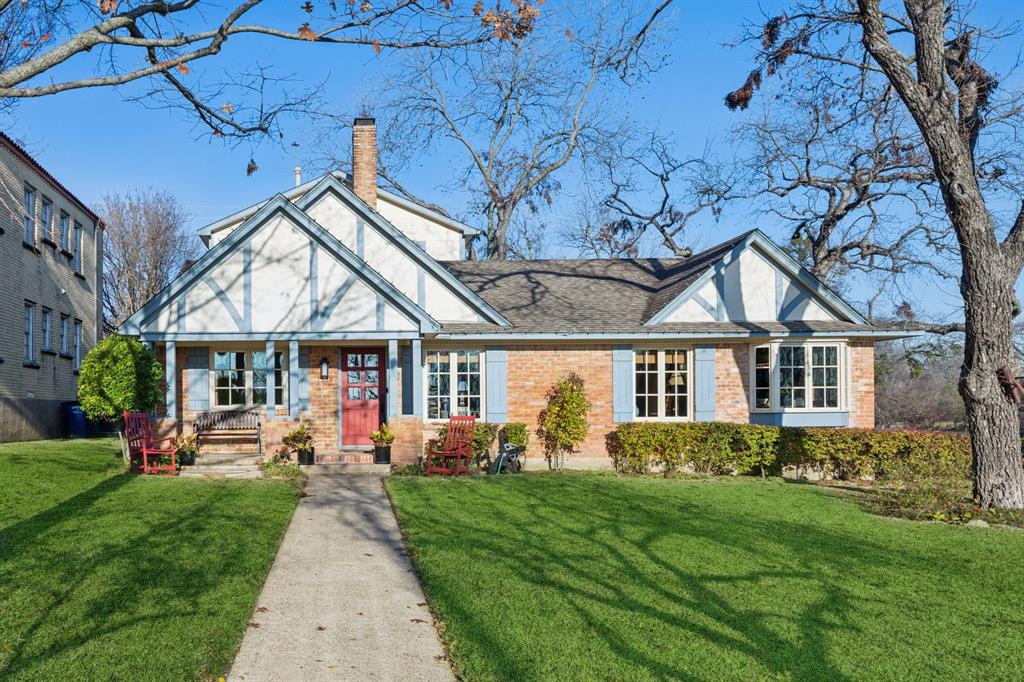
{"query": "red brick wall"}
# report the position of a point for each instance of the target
(533, 370)
(862, 384)
(732, 383)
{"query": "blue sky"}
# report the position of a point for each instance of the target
(97, 143)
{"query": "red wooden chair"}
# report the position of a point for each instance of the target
(143, 450)
(454, 456)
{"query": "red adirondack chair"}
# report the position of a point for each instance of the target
(143, 450)
(452, 458)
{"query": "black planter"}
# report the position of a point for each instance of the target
(186, 459)
(382, 454)
(307, 457)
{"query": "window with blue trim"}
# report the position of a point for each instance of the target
(661, 383)
(239, 379)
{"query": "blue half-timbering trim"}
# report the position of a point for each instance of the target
(801, 296)
(222, 296)
(335, 299)
(801, 418)
(380, 313)
(720, 292)
(622, 384)
(247, 287)
(497, 384)
(314, 285)
(712, 310)
(293, 379)
(417, 378)
(304, 370)
(360, 238)
(180, 321)
(705, 386)
(421, 281)
(198, 361)
(271, 384)
(170, 377)
(392, 378)
(780, 293)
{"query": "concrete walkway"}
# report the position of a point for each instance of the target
(341, 601)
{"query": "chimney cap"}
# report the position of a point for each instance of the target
(364, 121)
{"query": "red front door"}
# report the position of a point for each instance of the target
(362, 392)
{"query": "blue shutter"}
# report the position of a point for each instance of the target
(303, 377)
(197, 363)
(704, 384)
(622, 383)
(407, 380)
(497, 384)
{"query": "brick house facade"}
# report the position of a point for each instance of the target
(335, 272)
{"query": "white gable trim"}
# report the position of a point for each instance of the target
(810, 286)
(240, 237)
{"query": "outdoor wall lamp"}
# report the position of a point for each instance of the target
(324, 366)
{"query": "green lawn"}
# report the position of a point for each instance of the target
(107, 576)
(595, 577)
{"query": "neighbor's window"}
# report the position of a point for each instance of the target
(30, 215)
(46, 216)
(64, 334)
(240, 378)
(47, 336)
(763, 377)
(78, 344)
(30, 331)
(454, 383)
(76, 248)
(662, 384)
(65, 222)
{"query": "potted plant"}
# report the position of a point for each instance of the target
(301, 441)
(187, 447)
(382, 439)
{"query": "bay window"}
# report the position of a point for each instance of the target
(796, 377)
(662, 384)
(454, 383)
(240, 379)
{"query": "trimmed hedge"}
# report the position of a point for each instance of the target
(722, 448)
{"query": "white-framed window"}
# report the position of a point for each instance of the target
(239, 378)
(455, 383)
(65, 227)
(64, 334)
(46, 217)
(76, 248)
(30, 215)
(47, 329)
(661, 381)
(788, 376)
(30, 331)
(78, 344)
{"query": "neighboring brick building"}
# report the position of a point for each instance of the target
(51, 261)
(344, 306)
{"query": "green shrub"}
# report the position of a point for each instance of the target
(483, 436)
(119, 375)
(275, 468)
(516, 433)
(895, 457)
(563, 422)
(407, 470)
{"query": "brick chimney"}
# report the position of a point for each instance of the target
(364, 160)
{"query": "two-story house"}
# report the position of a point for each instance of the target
(51, 263)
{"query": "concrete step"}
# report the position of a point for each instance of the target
(221, 471)
(227, 458)
(347, 468)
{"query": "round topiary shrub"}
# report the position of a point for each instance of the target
(120, 374)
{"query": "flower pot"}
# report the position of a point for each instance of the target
(185, 458)
(307, 457)
(382, 454)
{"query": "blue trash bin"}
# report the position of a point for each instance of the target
(78, 425)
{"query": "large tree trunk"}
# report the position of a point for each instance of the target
(990, 303)
(497, 236)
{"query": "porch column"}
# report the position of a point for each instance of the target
(293, 379)
(271, 385)
(392, 378)
(417, 378)
(171, 380)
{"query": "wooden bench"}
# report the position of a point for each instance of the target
(229, 423)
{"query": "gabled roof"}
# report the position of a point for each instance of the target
(329, 183)
(624, 295)
(299, 190)
(223, 249)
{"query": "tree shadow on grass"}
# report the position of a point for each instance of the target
(623, 558)
(119, 581)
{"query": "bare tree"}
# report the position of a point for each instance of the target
(53, 46)
(915, 385)
(956, 106)
(518, 113)
(146, 245)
